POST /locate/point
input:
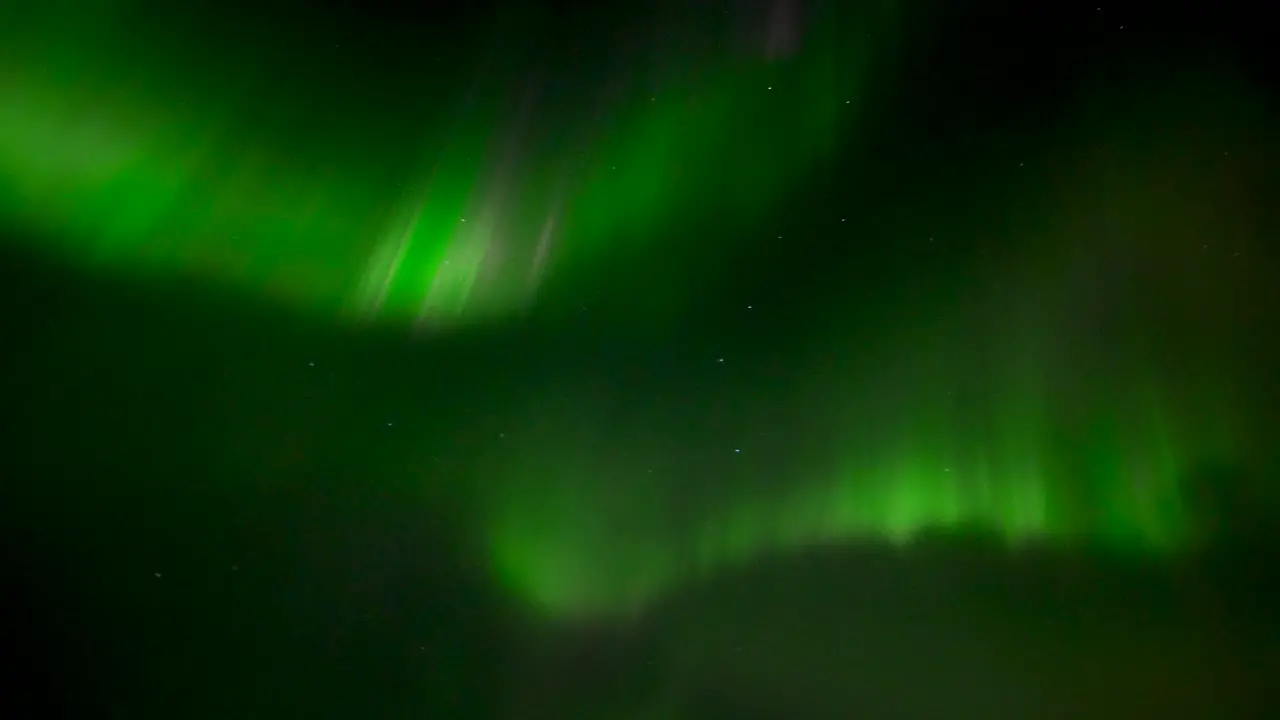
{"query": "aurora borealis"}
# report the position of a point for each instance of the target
(1039, 411)
(484, 194)
(590, 313)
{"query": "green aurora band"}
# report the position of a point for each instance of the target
(149, 176)
(589, 533)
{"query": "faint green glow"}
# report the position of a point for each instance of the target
(768, 121)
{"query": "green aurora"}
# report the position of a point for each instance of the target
(151, 177)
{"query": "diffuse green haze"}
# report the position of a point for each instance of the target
(732, 138)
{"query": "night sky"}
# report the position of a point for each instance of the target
(758, 359)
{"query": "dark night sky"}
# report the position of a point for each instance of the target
(218, 506)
